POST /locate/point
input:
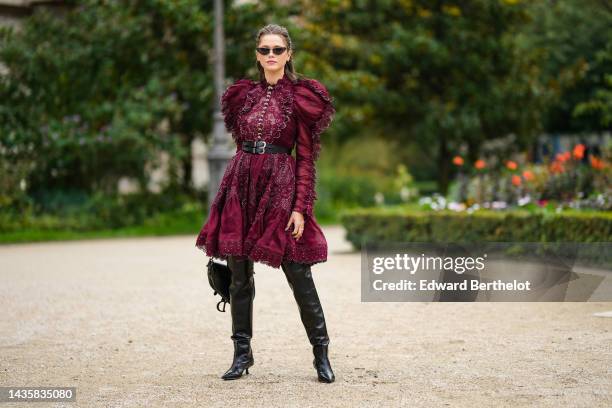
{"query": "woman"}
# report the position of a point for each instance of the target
(263, 211)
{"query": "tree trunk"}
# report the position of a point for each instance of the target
(443, 165)
(187, 182)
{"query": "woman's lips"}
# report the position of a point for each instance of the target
(271, 62)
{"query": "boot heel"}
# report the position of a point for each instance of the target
(247, 370)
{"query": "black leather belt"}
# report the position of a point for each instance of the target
(261, 147)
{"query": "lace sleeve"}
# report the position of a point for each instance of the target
(315, 112)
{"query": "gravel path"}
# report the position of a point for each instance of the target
(132, 323)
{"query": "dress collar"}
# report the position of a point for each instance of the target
(281, 82)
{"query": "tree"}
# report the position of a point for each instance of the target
(437, 73)
(575, 36)
(100, 92)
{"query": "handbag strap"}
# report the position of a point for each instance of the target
(224, 303)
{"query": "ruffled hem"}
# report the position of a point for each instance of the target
(310, 256)
(264, 240)
(311, 249)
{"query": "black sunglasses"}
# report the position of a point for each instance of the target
(266, 50)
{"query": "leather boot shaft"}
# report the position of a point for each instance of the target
(299, 277)
(300, 280)
(242, 294)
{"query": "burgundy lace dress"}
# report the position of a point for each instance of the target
(258, 192)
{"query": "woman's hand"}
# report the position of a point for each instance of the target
(298, 224)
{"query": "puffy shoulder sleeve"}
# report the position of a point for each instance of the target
(232, 100)
(314, 111)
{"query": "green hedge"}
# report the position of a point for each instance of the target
(402, 225)
(49, 228)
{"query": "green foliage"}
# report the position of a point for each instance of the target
(353, 175)
(434, 74)
(75, 211)
(45, 228)
(404, 225)
(99, 93)
(575, 37)
(107, 89)
(597, 109)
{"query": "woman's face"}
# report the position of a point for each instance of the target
(271, 62)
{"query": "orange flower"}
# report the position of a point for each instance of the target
(596, 163)
(516, 180)
(511, 165)
(458, 160)
(480, 164)
(579, 151)
(562, 157)
(528, 175)
(556, 167)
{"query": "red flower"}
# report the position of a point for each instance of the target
(480, 164)
(579, 151)
(511, 165)
(528, 175)
(562, 157)
(597, 163)
(458, 160)
(516, 180)
(556, 167)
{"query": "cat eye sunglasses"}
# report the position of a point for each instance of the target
(275, 50)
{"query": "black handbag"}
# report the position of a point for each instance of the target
(219, 278)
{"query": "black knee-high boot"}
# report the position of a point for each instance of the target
(300, 280)
(242, 293)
